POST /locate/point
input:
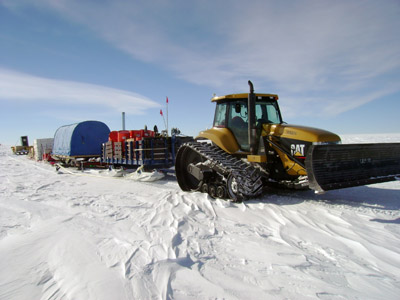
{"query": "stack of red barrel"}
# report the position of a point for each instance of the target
(118, 139)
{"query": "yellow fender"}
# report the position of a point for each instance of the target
(222, 137)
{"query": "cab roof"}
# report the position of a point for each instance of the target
(244, 95)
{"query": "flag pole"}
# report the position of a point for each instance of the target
(167, 115)
(162, 115)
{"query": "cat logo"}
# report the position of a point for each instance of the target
(297, 150)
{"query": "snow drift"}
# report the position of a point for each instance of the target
(64, 236)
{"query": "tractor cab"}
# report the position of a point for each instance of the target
(232, 112)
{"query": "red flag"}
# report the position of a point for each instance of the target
(161, 112)
(167, 100)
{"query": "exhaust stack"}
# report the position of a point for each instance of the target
(251, 110)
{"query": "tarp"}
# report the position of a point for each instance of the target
(80, 139)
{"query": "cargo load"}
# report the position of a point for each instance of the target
(42, 147)
(82, 139)
(146, 148)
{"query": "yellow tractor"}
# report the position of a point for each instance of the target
(250, 148)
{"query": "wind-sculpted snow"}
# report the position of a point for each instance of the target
(84, 237)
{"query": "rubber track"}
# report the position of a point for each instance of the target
(248, 178)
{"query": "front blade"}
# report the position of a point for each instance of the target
(332, 167)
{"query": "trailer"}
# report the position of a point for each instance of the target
(141, 148)
(80, 143)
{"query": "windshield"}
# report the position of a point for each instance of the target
(234, 115)
(266, 112)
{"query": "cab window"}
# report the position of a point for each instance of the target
(238, 123)
(238, 114)
(267, 112)
(220, 115)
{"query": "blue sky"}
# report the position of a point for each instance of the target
(334, 64)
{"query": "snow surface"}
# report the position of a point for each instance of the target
(64, 236)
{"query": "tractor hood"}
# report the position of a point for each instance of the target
(303, 133)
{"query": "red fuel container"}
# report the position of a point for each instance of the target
(134, 134)
(113, 136)
(123, 135)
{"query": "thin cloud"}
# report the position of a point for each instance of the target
(304, 49)
(329, 106)
(23, 87)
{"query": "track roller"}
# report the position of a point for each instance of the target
(221, 192)
(212, 191)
